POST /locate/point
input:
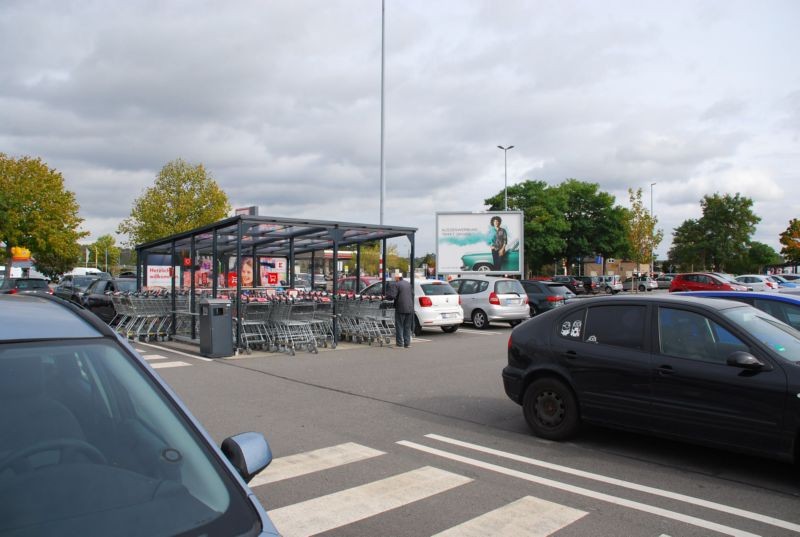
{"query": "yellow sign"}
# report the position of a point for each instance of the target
(20, 254)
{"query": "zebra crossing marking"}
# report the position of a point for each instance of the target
(164, 365)
(313, 461)
(348, 506)
(529, 516)
(615, 500)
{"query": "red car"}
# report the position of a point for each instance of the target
(702, 281)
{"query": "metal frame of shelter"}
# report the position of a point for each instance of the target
(264, 236)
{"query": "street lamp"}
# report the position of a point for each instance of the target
(505, 158)
(652, 246)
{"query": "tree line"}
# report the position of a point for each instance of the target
(563, 223)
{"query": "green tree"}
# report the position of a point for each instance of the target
(640, 227)
(790, 239)
(183, 197)
(596, 225)
(687, 252)
(758, 257)
(104, 252)
(728, 222)
(38, 213)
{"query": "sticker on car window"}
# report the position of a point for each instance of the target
(571, 328)
(576, 329)
(592, 339)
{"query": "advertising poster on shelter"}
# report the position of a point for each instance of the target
(489, 242)
(159, 276)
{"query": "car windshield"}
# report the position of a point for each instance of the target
(780, 337)
(92, 446)
(437, 288)
(82, 282)
(126, 286)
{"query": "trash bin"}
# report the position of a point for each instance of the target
(216, 328)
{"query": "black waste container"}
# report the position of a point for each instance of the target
(216, 328)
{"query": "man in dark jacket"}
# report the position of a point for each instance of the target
(400, 292)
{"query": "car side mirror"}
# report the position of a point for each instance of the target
(248, 452)
(745, 360)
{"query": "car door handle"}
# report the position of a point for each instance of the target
(569, 355)
(665, 370)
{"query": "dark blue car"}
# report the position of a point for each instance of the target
(783, 307)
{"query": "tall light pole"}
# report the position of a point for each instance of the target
(505, 158)
(383, 121)
(652, 246)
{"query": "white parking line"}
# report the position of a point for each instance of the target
(658, 511)
(479, 332)
(345, 507)
(625, 484)
(529, 516)
(313, 461)
(138, 343)
(151, 357)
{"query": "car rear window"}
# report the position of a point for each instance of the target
(437, 288)
(505, 287)
(31, 284)
(559, 289)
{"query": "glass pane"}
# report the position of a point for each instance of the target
(622, 326)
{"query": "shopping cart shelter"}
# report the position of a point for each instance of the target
(250, 259)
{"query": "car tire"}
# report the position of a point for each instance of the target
(450, 329)
(551, 410)
(609, 291)
(514, 323)
(480, 320)
(482, 267)
(642, 288)
(417, 327)
(534, 310)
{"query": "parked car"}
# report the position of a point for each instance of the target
(702, 281)
(97, 297)
(611, 284)
(591, 284)
(487, 298)
(25, 286)
(783, 282)
(348, 284)
(664, 281)
(72, 287)
(757, 282)
(436, 305)
(483, 262)
(572, 283)
(660, 364)
(95, 443)
(783, 307)
(545, 296)
(790, 277)
(639, 284)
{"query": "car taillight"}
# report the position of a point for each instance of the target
(12, 292)
(425, 302)
(459, 300)
(554, 298)
(509, 342)
(525, 299)
(493, 299)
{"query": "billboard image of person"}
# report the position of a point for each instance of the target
(480, 242)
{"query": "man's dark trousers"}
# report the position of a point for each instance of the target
(404, 323)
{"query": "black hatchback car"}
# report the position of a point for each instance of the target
(545, 296)
(97, 297)
(714, 372)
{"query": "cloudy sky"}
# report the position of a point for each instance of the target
(280, 100)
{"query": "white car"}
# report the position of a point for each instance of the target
(757, 282)
(436, 304)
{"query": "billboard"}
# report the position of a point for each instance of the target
(490, 242)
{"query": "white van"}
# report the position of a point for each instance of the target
(86, 271)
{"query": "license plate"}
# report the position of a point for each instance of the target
(512, 302)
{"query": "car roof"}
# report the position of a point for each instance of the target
(777, 297)
(30, 317)
(667, 299)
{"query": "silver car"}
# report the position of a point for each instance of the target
(487, 298)
(94, 443)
